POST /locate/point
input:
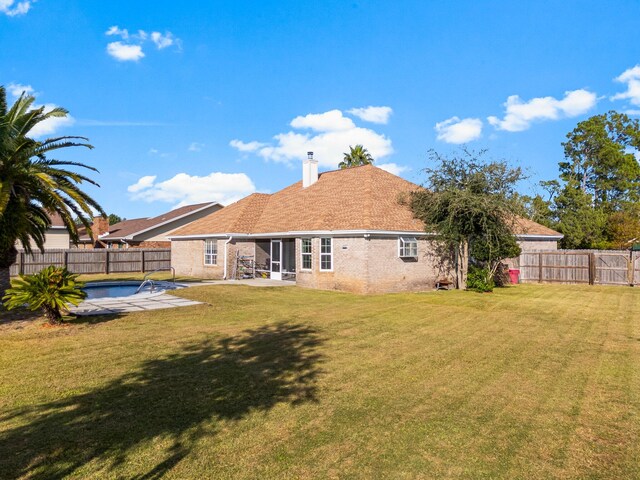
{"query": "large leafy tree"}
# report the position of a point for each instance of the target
(600, 160)
(113, 219)
(356, 157)
(594, 203)
(472, 205)
(33, 185)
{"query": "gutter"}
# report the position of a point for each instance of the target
(538, 237)
(303, 233)
(224, 276)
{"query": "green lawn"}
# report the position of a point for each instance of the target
(276, 383)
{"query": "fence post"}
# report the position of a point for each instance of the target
(21, 263)
(592, 268)
(106, 261)
(142, 260)
(540, 267)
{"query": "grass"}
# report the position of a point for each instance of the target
(276, 383)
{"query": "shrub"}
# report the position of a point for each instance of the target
(50, 290)
(480, 280)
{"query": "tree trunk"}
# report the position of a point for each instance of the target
(53, 315)
(7, 258)
(462, 264)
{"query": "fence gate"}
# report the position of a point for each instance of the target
(612, 269)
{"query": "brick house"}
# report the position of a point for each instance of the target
(342, 230)
(144, 232)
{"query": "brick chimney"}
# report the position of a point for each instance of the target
(309, 171)
(100, 226)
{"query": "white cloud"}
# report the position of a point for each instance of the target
(162, 41)
(185, 189)
(393, 168)
(195, 147)
(121, 32)
(124, 52)
(330, 121)
(130, 49)
(631, 77)
(333, 134)
(372, 114)
(13, 8)
(144, 182)
(454, 130)
(520, 114)
(246, 147)
(16, 89)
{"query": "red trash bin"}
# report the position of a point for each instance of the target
(514, 275)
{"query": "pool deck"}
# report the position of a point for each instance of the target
(105, 306)
(157, 301)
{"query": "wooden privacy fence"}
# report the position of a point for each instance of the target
(593, 267)
(95, 260)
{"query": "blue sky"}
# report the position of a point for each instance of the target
(193, 101)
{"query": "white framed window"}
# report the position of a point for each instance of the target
(326, 254)
(305, 251)
(407, 247)
(210, 252)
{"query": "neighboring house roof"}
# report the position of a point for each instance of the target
(56, 220)
(524, 226)
(127, 229)
(362, 198)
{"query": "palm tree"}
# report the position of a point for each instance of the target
(34, 186)
(357, 156)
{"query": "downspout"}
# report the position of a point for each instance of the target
(224, 276)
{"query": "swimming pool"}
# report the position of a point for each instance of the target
(97, 290)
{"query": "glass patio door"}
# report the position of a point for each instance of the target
(276, 259)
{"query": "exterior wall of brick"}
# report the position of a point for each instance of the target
(387, 272)
(187, 257)
(371, 266)
(360, 265)
(349, 271)
(148, 244)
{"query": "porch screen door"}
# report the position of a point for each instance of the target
(276, 259)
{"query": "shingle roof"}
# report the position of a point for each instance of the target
(126, 227)
(359, 198)
(132, 226)
(524, 226)
(56, 220)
